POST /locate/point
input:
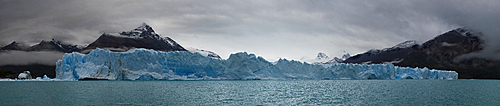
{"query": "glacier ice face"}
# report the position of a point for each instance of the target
(145, 64)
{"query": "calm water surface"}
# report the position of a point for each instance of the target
(253, 92)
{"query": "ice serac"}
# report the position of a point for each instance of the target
(146, 64)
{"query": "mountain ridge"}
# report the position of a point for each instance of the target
(441, 53)
(52, 45)
(387, 54)
(140, 37)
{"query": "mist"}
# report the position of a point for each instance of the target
(482, 18)
(26, 58)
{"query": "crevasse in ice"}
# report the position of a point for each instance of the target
(145, 64)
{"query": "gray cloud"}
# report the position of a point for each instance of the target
(485, 20)
(272, 29)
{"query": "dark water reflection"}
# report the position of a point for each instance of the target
(253, 92)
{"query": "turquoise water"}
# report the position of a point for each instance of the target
(252, 92)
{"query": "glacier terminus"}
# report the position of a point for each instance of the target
(147, 64)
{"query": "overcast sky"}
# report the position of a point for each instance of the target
(271, 29)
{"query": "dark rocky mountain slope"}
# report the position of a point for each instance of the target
(376, 56)
(442, 51)
(141, 37)
(52, 45)
(15, 46)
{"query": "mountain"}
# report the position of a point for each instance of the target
(19, 51)
(322, 56)
(338, 60)
(442, 51)
(376, 56)
(52, 45)
(142, 37)
(15, 46)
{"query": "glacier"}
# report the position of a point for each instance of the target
(147, 64)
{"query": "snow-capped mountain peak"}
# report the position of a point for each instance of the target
(14, 43)
(58, 43)
(144, 27)
(402, 45)
(50, 42)
(322, 56)
(44, 45)
(406, 44)
(337, 59)
(345, 56)
(140, 37)
(142, 31)
(466, 32)
(15, 46)
(54, 45)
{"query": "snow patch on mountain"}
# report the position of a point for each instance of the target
(467, 32)
(405, 44)
(203, 52)
(447, 44)
(385, 55)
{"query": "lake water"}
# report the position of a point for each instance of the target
(252, 92)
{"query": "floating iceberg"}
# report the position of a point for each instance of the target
(24, 75)
(45, 78)
(145, 64)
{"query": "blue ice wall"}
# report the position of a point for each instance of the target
(145, 64)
